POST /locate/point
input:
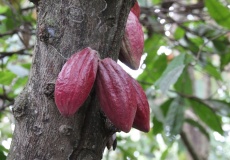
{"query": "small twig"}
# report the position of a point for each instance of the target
(184, 95)
(170, 20)
(27, 9)
(2, 64)
(190, 96)
(5, 97)
(9, 33)
(3, 107)
(20, 52)
(203, 45)
(145, 83)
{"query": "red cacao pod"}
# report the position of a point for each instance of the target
(136, 9)
(132, 43)
(141, 120)
(75, 81)
(116, 94)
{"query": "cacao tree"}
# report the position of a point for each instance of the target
(184, 71)
(64, 28)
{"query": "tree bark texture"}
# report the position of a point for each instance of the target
(63, 28)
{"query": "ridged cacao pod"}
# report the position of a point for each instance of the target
(141, 120)
(116, 94)
(136, 9)
(132, 43)
(75, 81)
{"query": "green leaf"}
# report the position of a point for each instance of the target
(2, 148)
(157, 126)
(206, 114)
(2, 155)
(155, 64)
(165, 153)
(18, 70)
(172, 73)
(127, 153)
(7, 25)
(160, 115)
(6, 77)
(1, 90)
(152, 44)
(205, 30)
(212, 70)
(197, 125)
(179, 33)
(220, 106)
(218, 12)
(196, 40)
(221, 45)
(20, 83)
(155, 2)
(184, 84)
(26, 65)
(224, 60)
(188, 43)
(3, 9)
(165, 106)
(175, 117)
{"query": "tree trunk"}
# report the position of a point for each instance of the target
(63, 28)
(195, 141)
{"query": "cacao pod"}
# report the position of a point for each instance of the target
(141, 120)
(116, 94)
(136, 9)
(75, 81)
(132, 43)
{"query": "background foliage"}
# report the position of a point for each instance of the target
(185, 73)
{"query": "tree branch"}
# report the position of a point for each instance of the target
(2, 108)
(5, 97)
(27, 9)
(9, 33)
(211, 39)
(19, 52)
(189, 147)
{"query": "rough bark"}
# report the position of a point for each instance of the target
(64, 27)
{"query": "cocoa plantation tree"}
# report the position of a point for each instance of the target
(185, 73)
(62, 29)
